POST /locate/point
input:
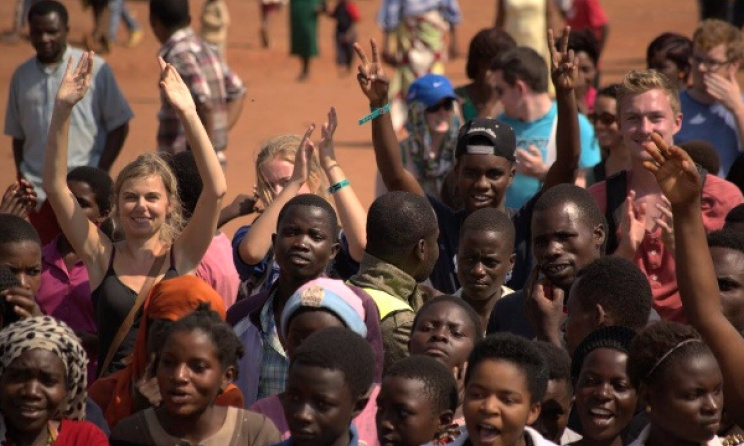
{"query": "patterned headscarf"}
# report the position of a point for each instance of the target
(47, 333)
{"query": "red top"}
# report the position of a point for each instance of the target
(80, 433)
(586, 14)
(656, 262)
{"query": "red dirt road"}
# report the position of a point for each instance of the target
(276, 104)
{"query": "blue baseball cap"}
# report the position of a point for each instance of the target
(430, 89)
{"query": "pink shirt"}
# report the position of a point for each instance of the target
(217, 269)
(65, 295)
(365, 422)
(656, 262)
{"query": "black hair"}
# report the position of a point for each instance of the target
(585, 41)
(559, 363)
(45, 7)
(736, 172)
(619, 286)
(562, 194)
(173, 14)
(312, 201)
(609, 91)
(100, 183)
(613, 337)
(490, 220)
(227, 344)
(703, 153)
(14, 229)
(485, 46)
(659, 348)
(525, 64)
(337, 348)
(8, 280)
(726, 238)
(183, 165)
(439, 384)
(678, 49)
(396, 222)
(735, 215)
(518, 351)
(475, 319)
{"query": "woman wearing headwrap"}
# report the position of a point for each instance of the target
(42, 385)
(320, 304)
(134, 388)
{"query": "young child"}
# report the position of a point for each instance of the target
(20, 250)
(329, 383)
(320, 304)
(446, 328)
(197, 360)
(346, 15)
(42, 385)
(215, 19)
(504, 385)
(416, 403)
(556, 405)
(485, 256)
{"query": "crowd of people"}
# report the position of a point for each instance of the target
(550, 260)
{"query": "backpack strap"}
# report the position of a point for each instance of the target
(616, 190)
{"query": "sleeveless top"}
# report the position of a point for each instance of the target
(112, 301)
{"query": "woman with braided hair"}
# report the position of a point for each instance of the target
(42, 385)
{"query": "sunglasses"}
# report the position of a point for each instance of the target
(605, 118)
(447, 104)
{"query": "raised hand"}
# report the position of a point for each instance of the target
(675, 172)
(303, 157)
(375, 85)
(326, 150)
(19, 199)
(76, 81)
(175, 90)
(564, 68)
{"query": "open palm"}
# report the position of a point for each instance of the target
(675, 172)
(76, 81)
(174, 88)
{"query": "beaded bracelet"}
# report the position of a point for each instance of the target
(375, 113)
(338, 186)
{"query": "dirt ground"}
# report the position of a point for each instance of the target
(277, 104)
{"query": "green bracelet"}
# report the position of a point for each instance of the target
(375, 113)
(338, 186)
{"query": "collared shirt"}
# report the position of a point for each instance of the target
(210, 81)
(33, 89)
(275, 364)
(392, 11)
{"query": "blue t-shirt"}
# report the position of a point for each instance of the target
(537, 133)
(713, 123)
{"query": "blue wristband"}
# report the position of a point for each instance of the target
(375, 113)
(338, 186)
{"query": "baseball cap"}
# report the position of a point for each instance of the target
(486, 136)
(430, 89)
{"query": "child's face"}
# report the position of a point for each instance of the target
(304, 243)
(24, 259)
(31, 390)
(554, 411)
(405, 413)
(444, 332)
(318, 405)
(306, 323)
(689, 401)
(497, 404)
(189, 373)
(483, 260)
(605, 400)
(86, 198)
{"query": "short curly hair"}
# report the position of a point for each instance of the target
(100, 183)
(713, 32)
(475, 320)
(484, 47)
(658, 348)
(518, 351)
(439, 384)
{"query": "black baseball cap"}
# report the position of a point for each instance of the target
(486, 136)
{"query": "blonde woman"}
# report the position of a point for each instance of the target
(279, 180)
(146, 208)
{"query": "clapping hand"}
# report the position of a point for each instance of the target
(675, 172)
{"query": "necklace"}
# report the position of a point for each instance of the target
(52, 433)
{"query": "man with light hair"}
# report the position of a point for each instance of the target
(632, 201)
(713, 107)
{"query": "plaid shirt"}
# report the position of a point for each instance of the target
(210, 81)
(275, 364)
